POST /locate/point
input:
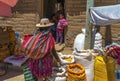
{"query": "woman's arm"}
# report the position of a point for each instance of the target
(56, 56)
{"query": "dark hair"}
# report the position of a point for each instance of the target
(61, 14)
(52, 16)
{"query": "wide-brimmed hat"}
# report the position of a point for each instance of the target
(44, 22)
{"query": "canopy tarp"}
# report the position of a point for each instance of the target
(105, 15)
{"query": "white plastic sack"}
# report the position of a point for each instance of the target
(58, 74)
(58, 71)
(86, 59)
(98, 36)
(83, 58)
(90, 72)
(60, 79)
(98, 41)
(50, 78)
(63, 61)
(79, 41)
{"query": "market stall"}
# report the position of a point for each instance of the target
(106, 16)
(104, 63)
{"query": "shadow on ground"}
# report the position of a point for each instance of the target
(13, 74)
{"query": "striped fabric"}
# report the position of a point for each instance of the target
(40, 46)
(39, 50)
(113, 51)
(28, 75)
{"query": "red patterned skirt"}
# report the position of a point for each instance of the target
(41, 67)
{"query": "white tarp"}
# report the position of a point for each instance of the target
(105, 15)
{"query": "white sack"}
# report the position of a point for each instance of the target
(98, 41)
(86, 59)
(58, 74)
(79, 41)
(63, 62)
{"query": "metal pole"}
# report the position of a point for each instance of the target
(88, 34)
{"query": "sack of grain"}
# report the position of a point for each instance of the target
(76, 72)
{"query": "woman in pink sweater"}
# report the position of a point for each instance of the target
(60, 28)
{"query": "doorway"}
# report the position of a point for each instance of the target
(53, 8)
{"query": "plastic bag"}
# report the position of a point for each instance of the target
(58, 74)
(56, 78)
(66, 59)
(104, 68)
(58, 71)
(98, 41)
(79, 41)
(83, 58)
(60, 79)
(86, 59)
(76, 72)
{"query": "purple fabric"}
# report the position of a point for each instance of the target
(17, 62)
(59, 37)
(46, 63)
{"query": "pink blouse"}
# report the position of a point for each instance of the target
(61, 24)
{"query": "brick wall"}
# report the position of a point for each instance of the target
(24, 17)
(76, 16)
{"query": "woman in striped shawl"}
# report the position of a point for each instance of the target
(41, 51)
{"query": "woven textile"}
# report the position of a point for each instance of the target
(40, 45)
(41, 67)
(28, 75)
(39, 49)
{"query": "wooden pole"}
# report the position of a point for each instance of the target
(88, 34)
(108, 35)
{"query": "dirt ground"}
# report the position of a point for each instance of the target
(16, 73)
(13, 74)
